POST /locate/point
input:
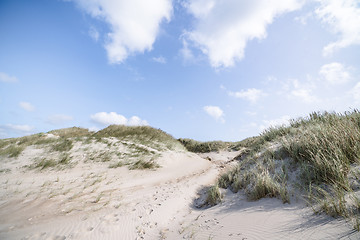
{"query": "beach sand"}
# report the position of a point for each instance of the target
(92, 201)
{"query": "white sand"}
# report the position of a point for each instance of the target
(92, 201)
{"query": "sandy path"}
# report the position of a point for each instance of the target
(101, 203)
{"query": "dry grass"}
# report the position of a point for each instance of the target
(12, 150)
(321, 150)
(64, 145)
(142, 164)
(72, 132)
(213, 196)
(203, 147)
(144, 135)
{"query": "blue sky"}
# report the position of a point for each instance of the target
(202, 69)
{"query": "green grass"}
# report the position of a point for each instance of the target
(213, 196)
(64, 160)
(142, 164)
(72, 132)
(64, 145)
(13, 147)
(204, 147)
(12, 150)
(45, 163)
(325, 146)
(117, 164)
(321, 149)
(258, 178)
(145, 135)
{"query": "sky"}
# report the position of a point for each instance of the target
(201, 69)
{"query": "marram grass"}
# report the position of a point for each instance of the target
(321, 150)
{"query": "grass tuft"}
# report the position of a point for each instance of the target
(204, 147)
(64, 145)
(141, 164)
(72, 132)
(12, 150)
(116, 165)
(45, 163)
(213, 196)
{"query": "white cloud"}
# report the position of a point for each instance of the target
(136, 121)
(105, 119)
(343, 18)
(215, 112)
(94, 33)
(304, 18)
(284, 120)
(7, 78)
(223, 28)
(134, 24)
(160, 59)
(20, 128)
(334, 73)
(186, 52)
(27, 106)
(252, 94)
(293, 88)
(304, 94)
(59, 119)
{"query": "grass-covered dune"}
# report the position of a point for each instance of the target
(316, 158)
(135, 146)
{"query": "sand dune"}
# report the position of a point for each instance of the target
(92, 201)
